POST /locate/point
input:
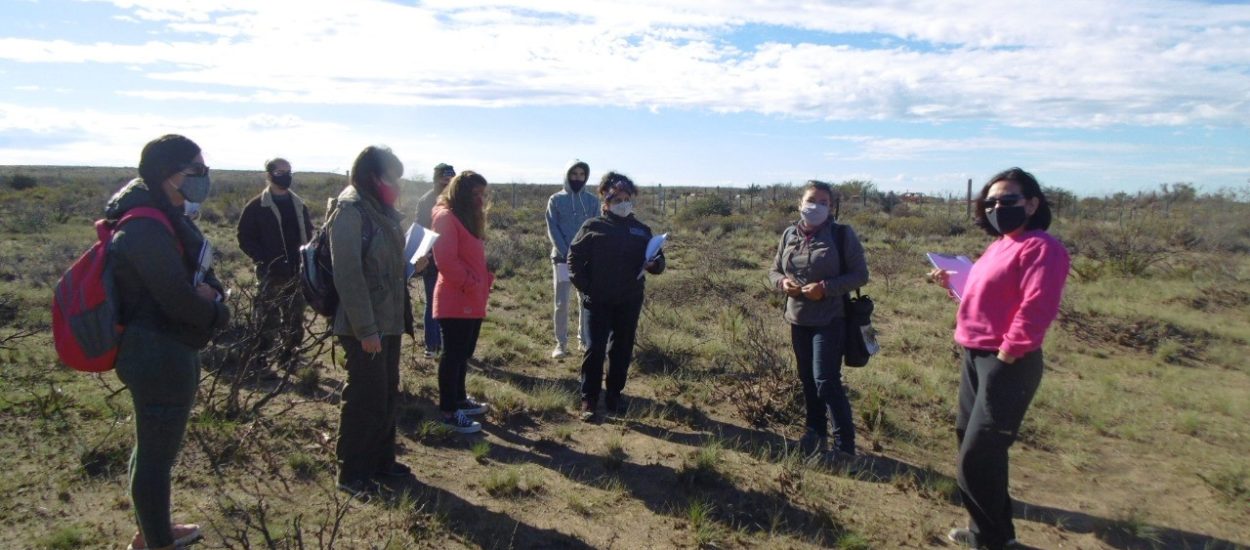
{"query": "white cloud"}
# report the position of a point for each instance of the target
(1055, 64)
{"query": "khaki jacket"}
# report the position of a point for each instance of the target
(370, 283)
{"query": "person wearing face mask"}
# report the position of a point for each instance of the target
(372, 315)
(461, 293)
(168, 318)
(272, 228)
(808, 268)
(443, 173)
(604, 258)
(1009, 300)
(567, 210)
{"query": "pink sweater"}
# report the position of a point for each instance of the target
(1012, 294)
(463, 285)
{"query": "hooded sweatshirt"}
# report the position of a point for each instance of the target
(153, 271)
(567, 210)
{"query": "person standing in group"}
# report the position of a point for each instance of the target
(367, 251)
(461, 293)
(429, 276)
(567, 210)
(605, 259)
(1010, 299)
(273, 227)
(168, 318)
(809, 269)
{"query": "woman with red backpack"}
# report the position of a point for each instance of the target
(168, 317)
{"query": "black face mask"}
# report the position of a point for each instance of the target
(283, 181)
(1006, 219)
(576, 186)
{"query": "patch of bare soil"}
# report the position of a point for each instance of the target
(1142, 334)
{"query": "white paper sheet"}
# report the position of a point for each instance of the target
(417, 243)
(562, 273)
(654, 246)
(206, 263)
(956, 266)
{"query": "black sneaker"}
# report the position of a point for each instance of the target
(395, 469)
(812, 443)
(615, 404)
(359, 488)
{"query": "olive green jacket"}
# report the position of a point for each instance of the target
(370, 283)
(152, 280)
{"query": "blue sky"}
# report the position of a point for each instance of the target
(1095, 97)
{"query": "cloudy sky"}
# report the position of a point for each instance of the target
(1093, 96)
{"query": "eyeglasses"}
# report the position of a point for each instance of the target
(195, 169)
(618, 199)
(1004, 200)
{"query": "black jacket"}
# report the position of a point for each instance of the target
(153, 281)
(261, 238)
(605, 257)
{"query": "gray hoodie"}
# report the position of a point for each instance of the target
(567, 210)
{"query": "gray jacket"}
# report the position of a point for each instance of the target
(814, 258)
(567, 210)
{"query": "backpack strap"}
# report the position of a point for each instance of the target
(144, 212)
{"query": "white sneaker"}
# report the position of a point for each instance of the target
(559, 353)
(461, 423)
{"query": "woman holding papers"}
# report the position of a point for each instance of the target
(168, 317)
(461, 293)
(809, 269)
(367, 248)
(606, 259)
(1008, 302)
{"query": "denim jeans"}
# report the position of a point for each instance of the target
(162, 376)
(612, 330)
(459, 343)
(993, 397)
(818, 352)
(433, 336)
(560, 318)
(370, 407)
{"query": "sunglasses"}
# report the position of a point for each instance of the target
(1004, 200)
(195, 169)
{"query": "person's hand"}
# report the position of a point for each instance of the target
(649, 265)
(790, 288)
(1006, 358)
(371, 344)
(206, 292)
(421, 263)
(813, 291)
(940, 277)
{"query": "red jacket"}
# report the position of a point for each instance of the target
(463, 285)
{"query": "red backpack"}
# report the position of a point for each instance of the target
(85, 324)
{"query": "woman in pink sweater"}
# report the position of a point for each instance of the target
(461, 292)
(1009, 301)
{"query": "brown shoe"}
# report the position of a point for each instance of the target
(587, 411)
(184, 534)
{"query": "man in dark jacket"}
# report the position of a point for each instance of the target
(273, 227)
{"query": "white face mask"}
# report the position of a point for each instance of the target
(622, 209)
(813, 213)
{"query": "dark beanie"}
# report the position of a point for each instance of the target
(165, 156)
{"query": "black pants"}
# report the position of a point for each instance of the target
(370, 404)
(459, 343)
(993, 397)
(818, 353)
(612, 328)
(278, 310)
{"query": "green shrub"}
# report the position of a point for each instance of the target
(21, 182)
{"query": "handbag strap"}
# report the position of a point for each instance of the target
(839, 234)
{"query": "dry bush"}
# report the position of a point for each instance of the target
(1129, 249)
(762, 387)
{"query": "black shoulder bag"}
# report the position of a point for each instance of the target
(860, 344)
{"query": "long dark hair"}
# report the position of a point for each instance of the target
(458, 196)
(375, 161)
(164, 157)
(1028, 187)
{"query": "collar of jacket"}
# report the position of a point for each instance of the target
(387, 218)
